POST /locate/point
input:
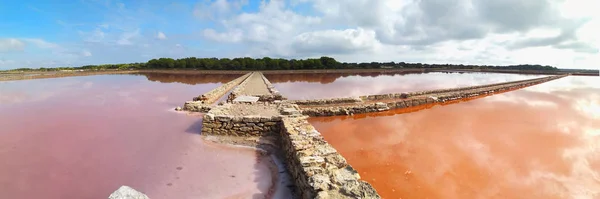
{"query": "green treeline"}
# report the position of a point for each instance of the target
(267, 63)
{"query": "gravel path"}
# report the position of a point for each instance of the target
(255, 86)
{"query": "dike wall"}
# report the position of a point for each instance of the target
(396, 101)
(317, 169)
(364, 98)
(272, 96)
(227, 125)
(438, 91)
(275, 95)
(203, 102)
(237, 90)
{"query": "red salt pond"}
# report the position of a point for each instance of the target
(316, 86)
(83, 137)
(538, 142)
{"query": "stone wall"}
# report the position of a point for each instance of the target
(197, 106)
(316, 102)
(237, 90)
(422, 99)
(319, 171)
(240, 125)
(275, 95)
(204, 102)
(403, 95)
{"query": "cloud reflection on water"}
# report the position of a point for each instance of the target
(355, 85)
(538, 142)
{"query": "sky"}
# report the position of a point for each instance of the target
(54, 33)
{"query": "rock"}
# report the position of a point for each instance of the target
(435, 99)
(125, 192)
(203, 98)
(403, 95)
(322, 195)
(178, 108)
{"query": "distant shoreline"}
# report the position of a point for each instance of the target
(27, 75)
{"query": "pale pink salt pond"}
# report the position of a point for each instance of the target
(316, 86)
(83, 137)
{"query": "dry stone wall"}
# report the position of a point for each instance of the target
(319, 171)
(318, 102)
(275, 95)
(272, 96)
(237, 90)
(203, 102)
(422, 99)
(240, 125)
(404, 95)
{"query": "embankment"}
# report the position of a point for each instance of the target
(317, 169)
(203, 102)
(378, 103)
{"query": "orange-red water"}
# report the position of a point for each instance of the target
(83, 137)
(539, 142)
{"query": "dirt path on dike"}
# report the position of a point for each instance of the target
(255, 85)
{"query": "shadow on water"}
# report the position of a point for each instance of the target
(196, 127)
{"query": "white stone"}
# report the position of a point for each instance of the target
(125, 192)
(246, 99)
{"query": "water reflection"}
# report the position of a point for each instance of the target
(189, 78)
(83, 137)
(356, 85)
(325, 78)
(539, 142)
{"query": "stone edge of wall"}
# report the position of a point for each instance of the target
(359, 99)
(423, 100)
(400, 95)
(237, 90)
(204, 105)
(275, 95)
(342, 100)
(319, 171)
(215, 123)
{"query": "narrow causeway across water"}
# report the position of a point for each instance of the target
(255, 114)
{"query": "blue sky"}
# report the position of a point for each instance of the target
(51, 33)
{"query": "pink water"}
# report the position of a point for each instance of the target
(317, 86)
(83, 137)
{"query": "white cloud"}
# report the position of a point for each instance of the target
(11, 45)
(231, 36)
(86, 53)
(6, 62)
(495, 32)
(97, 35)
(161, 36)
(217, 8)
(127, 37)
(335, 41)
(40, 43)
